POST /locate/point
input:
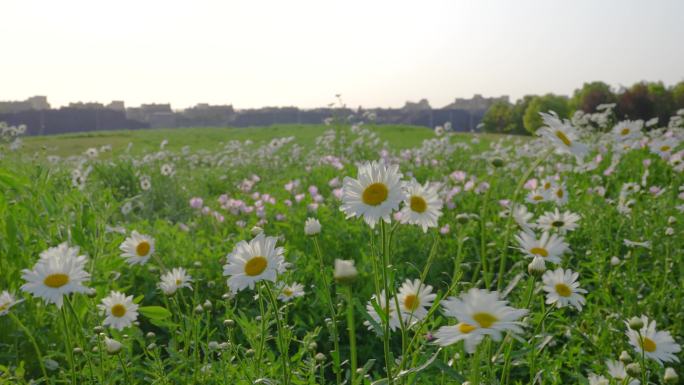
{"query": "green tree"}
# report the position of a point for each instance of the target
(549, 102)
(590, 96)
(498, 117)
(678, 95)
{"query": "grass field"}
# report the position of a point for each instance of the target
(501, 260)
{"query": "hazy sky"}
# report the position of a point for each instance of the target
(375, 53)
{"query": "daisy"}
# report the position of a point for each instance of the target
(537, 196)
(480, 313)
(167, 169)
(137, 248)
(59, 272)
(7, 300)
(120, 311)
(595, 379)
(656, 345)
(522, 217)
(560, 194)
(550, 246)
(628, 130)
(561, 222)
(254, 261)
(563, 289)
(415, 299)
(422, 205)
(145, 183)
(663, 147)
(374, 195)
(382, 304)
(289, 292)
(617, 370)
(175, 279)
(562, 135)
(449, 335)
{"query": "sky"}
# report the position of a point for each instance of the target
(375, 53)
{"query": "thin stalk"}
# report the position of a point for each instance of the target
(284, 354)
(262, 340)
(352, 333)
(521, 182)
(68, 347)
(385, 276)
(34, 343)
(333, 313)
(123, 367)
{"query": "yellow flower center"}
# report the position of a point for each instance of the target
(559, 193)
(557, 223)
(542, 252)
(625, 131)
(4, 306)
(649, 345)
(538, 197)
(178, 282)
(143, 248)
(255, 266)
(485, 320)
(665, 148)
(118, 310)
(465, 328)
(375, 194)
(411, 302)
(418, 204)
(287, 291)
(563, 138)
(547, 185)
(563, 290)
(56, 281)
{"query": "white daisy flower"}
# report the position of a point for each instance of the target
(382, 304)
(254, 261)
(628, 130)
(290, 292)
(175, 279)
(560, 194)
(563, 289)
(480, 313)
(119, 310)
(656, 345)
(537, 196)
(415, 299)
(113, 346)
(663, 147)
(560, 222)
(374, 195)
(562, 135)
(595, 379)
(59, 272)
(617, 370)
(345, 271)
(550, 246)
(7, 300)
(145, 183)
(167, 169)
(422, 205)
(312, 226)
(522, 217)
(137, 248)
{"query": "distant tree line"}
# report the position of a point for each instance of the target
(643, 100)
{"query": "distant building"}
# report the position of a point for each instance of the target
(116, 105)
(36, 103)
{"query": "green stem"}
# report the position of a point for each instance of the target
(68, 348)
(282, 345)
(385, 281)
(34, 343)
(262, 340)
(123, 367)
(333, 314)
(352, 333)
(521, 182)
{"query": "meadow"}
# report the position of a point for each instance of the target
(344, 254)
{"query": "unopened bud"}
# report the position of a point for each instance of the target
(625, 358)
(636, 323)
(345, 271)
(537, 267)
(320, 357)
(256, 230)
(249, 353)
(229, 323)
(633, 369)
(670, 376)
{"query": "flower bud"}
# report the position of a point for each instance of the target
(615, 261)
(313, 346)
(320, 357)
(113, 346)
(199, 309)
(256, 230)
(312, 227)
(537, 267)
(625, 358)
(207, 305)
(229, 323)
(78, 350)
(345, 271)
(670, 376)
(636, 323)
(150, 335)
(249, 353)
(633, 369)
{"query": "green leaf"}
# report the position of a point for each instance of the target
(154, 312)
